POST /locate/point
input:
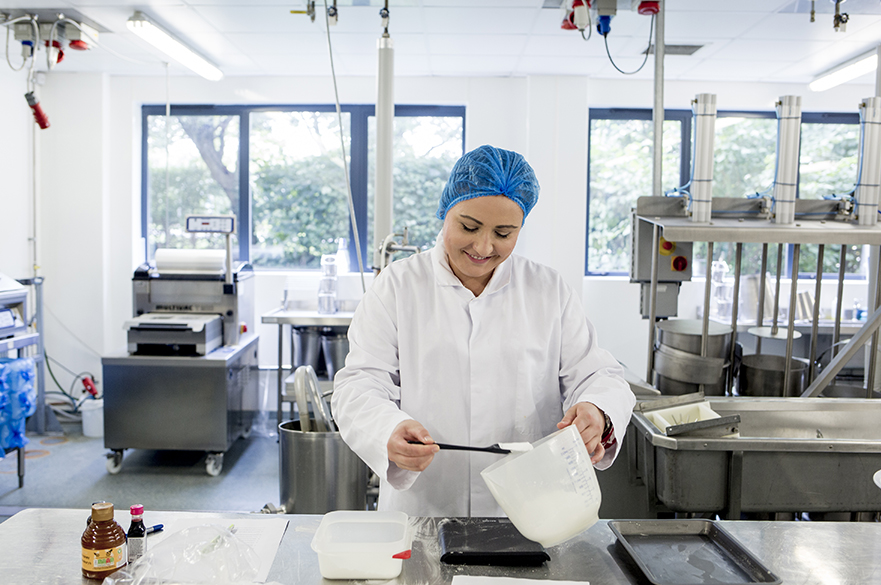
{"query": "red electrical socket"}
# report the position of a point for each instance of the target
(89, 385)
(39, 115)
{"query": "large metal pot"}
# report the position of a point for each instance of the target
(762, 375)
(679, 367)
(318, 473)
(685, 335)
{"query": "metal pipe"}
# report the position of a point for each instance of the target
(815, 320)
(793, 300)
(873, 358)
(653, 292)
(738, 254)
(41, 377)
(760, 312)
(774, 327)
(658, 106)
(705, 325)
(383, 218)
(836, 329)
(228, 278)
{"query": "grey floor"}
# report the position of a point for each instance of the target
(69, 471)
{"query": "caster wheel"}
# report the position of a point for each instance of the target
(114, 462)
(214, 464)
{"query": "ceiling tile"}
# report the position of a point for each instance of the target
(480, 20)
(498, 66)
(476, 45)
(719, 25)
(757, 51)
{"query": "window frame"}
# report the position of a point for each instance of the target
(357, 154)
(682, 116)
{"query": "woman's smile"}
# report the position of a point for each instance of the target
(479, 234)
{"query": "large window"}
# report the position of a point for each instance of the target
(620, 170)
(744, 156)
(287, 161)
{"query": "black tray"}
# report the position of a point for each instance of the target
(689, 552)
(487, 541)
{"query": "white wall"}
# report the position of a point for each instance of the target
(16, 177)
(90, 181)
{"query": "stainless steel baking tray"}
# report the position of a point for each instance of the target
(689, 552)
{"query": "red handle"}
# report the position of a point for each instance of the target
(402, 555)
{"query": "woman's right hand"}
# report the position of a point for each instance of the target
(407, 455)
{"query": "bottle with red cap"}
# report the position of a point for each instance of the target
(137, 534)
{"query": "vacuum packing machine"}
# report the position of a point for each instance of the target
(189, 372)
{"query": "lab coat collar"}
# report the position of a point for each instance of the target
(444, 275)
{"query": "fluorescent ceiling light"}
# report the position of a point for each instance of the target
(846, 71)
(141, 25)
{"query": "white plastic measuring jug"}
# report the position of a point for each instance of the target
(550, 493)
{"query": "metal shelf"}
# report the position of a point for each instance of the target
(761, 231)
(19, 341)
(748, 221)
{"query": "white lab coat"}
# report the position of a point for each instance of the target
(500, 367)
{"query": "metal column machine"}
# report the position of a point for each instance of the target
(185, 381)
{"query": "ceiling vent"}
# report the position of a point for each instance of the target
(676, 50)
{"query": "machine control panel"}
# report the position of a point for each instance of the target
(215, 224)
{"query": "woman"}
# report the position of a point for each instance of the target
(469, 344)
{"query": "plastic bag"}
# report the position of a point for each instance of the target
(201, 554)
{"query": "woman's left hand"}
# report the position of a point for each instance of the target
(590, 422)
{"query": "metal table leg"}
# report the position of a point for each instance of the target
(280, 370)
(735, 485)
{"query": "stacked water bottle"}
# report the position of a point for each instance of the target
(327, 286)
(17, 401)
(331, 266)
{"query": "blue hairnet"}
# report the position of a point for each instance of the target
(488, 170)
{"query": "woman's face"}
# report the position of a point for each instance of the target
(479, 234)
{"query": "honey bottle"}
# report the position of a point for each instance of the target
(103, 542)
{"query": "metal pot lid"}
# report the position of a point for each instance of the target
(693, 327)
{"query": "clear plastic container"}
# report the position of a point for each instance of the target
(550, 493)
(362, 545)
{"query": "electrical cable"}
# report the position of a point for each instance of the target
(72, 334)
(69, 394)
(647, 49)
(6, 24)
(62, 366)
(343, 148)
(49, 64)
(589, 27)
(54, 379)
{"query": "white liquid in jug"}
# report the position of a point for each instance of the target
(549, 496)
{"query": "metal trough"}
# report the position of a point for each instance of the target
(791, 455)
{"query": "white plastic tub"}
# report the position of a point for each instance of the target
(93, 418)
(362, 545)
(680, 415)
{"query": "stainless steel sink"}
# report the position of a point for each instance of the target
(791, 455)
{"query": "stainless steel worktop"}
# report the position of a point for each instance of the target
(297, 318)
(42, 547)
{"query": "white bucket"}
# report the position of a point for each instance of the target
(550, 493)
(93, 418)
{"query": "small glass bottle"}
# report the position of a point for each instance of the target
(103, 543)
(137, 534)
